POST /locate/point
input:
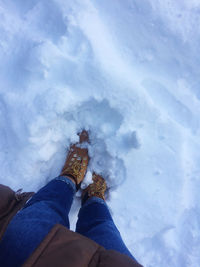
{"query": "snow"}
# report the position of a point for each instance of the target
(127, 71)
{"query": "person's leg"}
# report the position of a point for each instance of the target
(96, 223)
(49, 206)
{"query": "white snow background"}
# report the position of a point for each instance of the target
(129, 72)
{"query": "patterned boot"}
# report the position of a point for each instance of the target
(77, 160)
(96, 189)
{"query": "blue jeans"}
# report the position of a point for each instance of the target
(49, 206)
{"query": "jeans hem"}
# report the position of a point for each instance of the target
(67, 181)
(94, 200)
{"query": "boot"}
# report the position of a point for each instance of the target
(77, 160)
(96, 189)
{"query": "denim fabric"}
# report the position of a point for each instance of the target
(49, 206)
(96, 223)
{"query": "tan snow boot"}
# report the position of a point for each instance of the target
(77, 160)
(96, 189)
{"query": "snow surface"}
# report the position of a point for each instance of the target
(129, 72)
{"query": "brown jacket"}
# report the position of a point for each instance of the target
(61, 247)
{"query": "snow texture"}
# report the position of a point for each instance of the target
(129, 72)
